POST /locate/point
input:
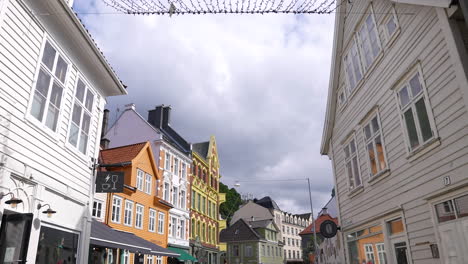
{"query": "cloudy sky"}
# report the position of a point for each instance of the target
(257, 82)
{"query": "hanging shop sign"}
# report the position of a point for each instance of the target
(328, 229)
(109, 182)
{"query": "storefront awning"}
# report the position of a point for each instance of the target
(183, 254)
(105, 236)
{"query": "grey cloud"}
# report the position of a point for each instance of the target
(258, 83)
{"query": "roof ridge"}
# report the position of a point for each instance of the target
(134, 144)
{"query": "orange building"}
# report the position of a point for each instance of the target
(140, 209)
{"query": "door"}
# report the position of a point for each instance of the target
(401, 253)
(14, 237)
(454, 241)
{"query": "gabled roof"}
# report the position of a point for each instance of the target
(318, 222)
(201, 149)
(267, 202)
(121, 154)
(239, 231)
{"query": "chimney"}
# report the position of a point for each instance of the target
(159, 117)
(105, 121)
(324, 211)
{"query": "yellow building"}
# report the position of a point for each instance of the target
(206, 199)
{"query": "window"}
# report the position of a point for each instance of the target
(452, 209)
(182, 228)
(369, 251)
(203, 233)
(294, 254)
(168, 161)
(289, 253)
(277, 251)
(175, 196)
(159, 260)
(184, 171)
(341, 98)
(209, 234)
(161, 223)
(139, 216)
(81, 117)
(289, 241)
(149, 259)
(182, 199)
(369, 40)
(116, 207)
(263, 250)
(193, 199)
(209, 208)
(49, 87)
(415, 116)
(176, 166)
(248, 251)
(126, 257)
(128, 213)
(199, 202)
(166, 191)
(235, 250)
(375, 148)
(352, 67)
(97, 209)
(268, 251)
(352, 164)
(381, 253)
(214, 210)
(148, 184)
(173, 227)
(152, 220)
(139, 181)
(192, 228)
(390, 25)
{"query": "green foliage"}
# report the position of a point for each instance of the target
(232, 203)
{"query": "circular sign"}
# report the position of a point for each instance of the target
(328, 229)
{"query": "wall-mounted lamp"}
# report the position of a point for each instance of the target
(49, 211)
(13, 202)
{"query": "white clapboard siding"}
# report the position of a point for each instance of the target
(420, 42)
(47, 153)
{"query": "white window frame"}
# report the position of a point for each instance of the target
(175, 196)
(183, 170)
(182, 229)
(363, 24)
(40, 65)
(139, 216)
(182, 199)
(117, 208)
(167, 161)
(173, 227)
(152, 220)
(381, 254)
(353, 47)
(352, 185)
(148, 183)
(126, 257)
(176, 166)
(140, 179)
(88, 89)
(369, 254)
(412, 104)
(371, 140)
(390, 37)
(97, 209)
(149, 259)
(161, 216)
(128, 219)
(159, 260)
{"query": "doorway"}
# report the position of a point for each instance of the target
(14, 237)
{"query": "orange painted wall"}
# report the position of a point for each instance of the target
(143, 162)
(376, 239)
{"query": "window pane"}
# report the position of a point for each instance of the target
(415, 85)
(346, 150)
(85, 123)
(56, 95)
(52, 117)
(375, 125)
(357, 69)
(391, 26)
(76, 115)
(73, 138)
(43, 83)
(37, 107)
(357, 179)
(461, 203)
(350, 174)
(89, 101)
(48, 56)
(367, 131)
(61, 69)
(83, 143)
(370, 149)
(411, 128)
(352, 146)
(425, 126)
(349, 71)
(445, 211)
(380, 153)
(395, 226)
(80, 90)
(404, 96)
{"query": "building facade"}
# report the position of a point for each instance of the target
(139, 210)
(172, 154)
(395, 130)
(54, 82)
(254, 241)
(206, 199)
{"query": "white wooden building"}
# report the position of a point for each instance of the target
(396, 130)
(53, 86)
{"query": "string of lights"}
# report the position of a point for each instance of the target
(197, 7)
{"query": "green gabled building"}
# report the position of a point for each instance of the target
(253, 242)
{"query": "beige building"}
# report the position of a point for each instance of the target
(396, 130)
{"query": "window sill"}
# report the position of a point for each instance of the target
(421, 150)
(356, 191)
(373, 65)
(379, 176)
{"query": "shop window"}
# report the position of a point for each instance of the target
(362, 245)
(56, 246)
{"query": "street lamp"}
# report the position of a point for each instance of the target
(237, 184)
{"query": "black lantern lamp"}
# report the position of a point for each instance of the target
(49, 211)
(13, 201)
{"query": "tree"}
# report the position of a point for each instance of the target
(232, 203)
